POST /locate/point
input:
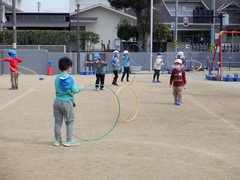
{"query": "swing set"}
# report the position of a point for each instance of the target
(219, 47)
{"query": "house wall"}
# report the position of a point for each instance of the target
(106, 27)
(85, 4)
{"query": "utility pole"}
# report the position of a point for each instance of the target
(1, 16)
(78, 40)
(14, 24)
(213, 22)
(151, 36)
(176, 24)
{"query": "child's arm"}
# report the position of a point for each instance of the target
(171, 79)
(75, 89)
(19, 60)
(184, 78)
(113, 62)
(6, 59)
(105, 63)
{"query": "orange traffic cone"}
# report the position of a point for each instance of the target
(50, 72)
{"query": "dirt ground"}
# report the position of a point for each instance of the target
(198, 140)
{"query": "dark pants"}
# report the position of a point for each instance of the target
(115, 72)
(156, 73)
(126, 71)
(100, 78)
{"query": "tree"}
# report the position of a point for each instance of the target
(161, 34)
(126, 30)
(142, 11)
(90, 38)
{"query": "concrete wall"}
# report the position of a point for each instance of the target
(37, 60)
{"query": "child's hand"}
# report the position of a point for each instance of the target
(185, 87)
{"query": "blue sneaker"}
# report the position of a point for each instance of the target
(179, 103)
(153, 81)
(176, 102)
(158, 81)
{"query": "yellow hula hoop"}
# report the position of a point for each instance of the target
(137, 109)
(28, 70)
(16, 71)
(40, 78)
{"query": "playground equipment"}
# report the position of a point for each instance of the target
(224, 62)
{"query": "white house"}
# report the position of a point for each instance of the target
(102, 20)
(85, 3)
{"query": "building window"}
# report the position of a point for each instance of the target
(187, 10)
(171, 10)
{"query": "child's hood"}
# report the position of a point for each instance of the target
(66, 81)
(12, 53)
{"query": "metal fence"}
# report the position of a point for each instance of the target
(226, 47)
(49, 48)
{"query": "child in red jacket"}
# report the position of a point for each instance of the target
(13, 60)
(178, 80)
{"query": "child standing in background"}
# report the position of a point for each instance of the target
(100, 71)
(180, 55)
(157, 67)
(116, 67)
(63, 106)
(126, 64)
(178, 80)
(13, 60)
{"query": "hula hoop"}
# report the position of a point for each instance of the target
(40, 78)
(134, 44)
(195, 70)
(28, 70)
(16, 71)
(137, 109)
(196, 62)
(101, 136)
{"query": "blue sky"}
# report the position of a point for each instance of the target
(46, 5)
(55, 5)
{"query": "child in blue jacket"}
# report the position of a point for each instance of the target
(126, 64)
(65, 89)
(116, 67)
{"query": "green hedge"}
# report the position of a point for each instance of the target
(38, 37)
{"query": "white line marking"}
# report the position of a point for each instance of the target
(219, 117)
(16, 99)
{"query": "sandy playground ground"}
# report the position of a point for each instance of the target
(198, 140)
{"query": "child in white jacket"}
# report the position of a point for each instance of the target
(157, 67)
